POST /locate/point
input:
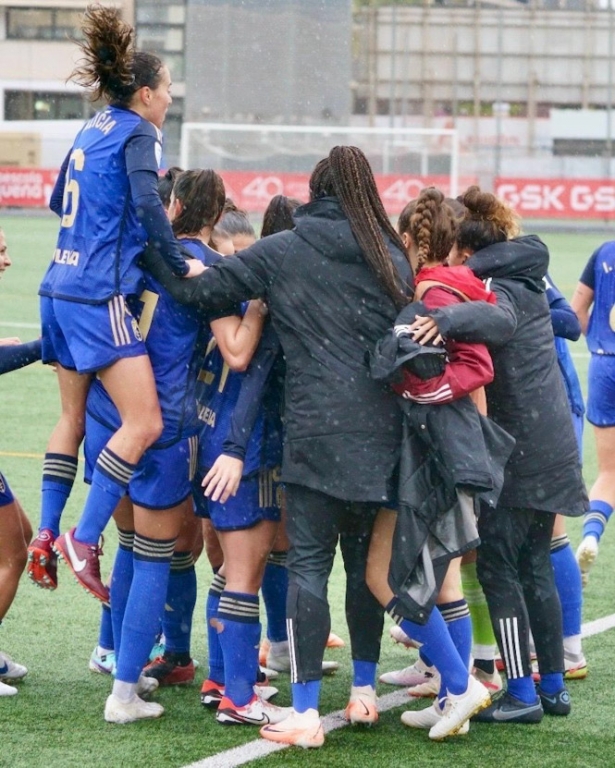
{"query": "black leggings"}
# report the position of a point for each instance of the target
(514, 569)
(315, 523)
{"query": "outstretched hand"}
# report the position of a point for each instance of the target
(223, 478)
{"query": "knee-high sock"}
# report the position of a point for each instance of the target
(179, 607)
(596, 519)
(240, 631)
(145, 605)
(459, 624)
(109, 483)
(274, 589)
(484, 642)
(59, 472)
(121, 579)
(569, 587)
(105, 633)
(216, 659)
(438, 645)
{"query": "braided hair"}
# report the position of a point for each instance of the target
(110, 67)
(431, 224)
(347, 175)
(487, 220)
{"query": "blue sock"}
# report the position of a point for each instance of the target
(596, 519)
(364, 673)
(425, 658)
(522, 688)
(439, 647)
(552, 682)
(179, 607)
(121, 579)
(105, 633)
(305, 695)
(456, 616)
(145, 605)
(59, 472)
(568, 582)
(274, 589)
(214, 654)
(109, 483)
(239, 637)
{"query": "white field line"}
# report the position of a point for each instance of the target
(8, 324)
(254, 750)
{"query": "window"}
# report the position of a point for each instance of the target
(161, 30)
(46, 105)
(42, 24)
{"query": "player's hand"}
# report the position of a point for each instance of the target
(195, 267)
(425, 330)
(223, 478)
(10, 341)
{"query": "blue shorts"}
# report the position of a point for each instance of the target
(163, 477)
(601, 391)
(258, 498)
(88, 337)
(578, 422)
(6, 495)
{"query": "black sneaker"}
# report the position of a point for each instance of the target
(508, 709)
(555, 703)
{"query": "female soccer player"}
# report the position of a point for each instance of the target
(543, 475)
(15, 529)
(108, 202)
(333, 286)
(596, 292)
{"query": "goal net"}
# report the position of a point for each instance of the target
(260, 161)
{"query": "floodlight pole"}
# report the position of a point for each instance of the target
(609, 96)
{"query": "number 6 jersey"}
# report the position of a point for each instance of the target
(100, 233)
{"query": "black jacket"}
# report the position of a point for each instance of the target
(342, 429)
(527, 396)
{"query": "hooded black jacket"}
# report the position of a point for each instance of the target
(527, 396)
(342, 429)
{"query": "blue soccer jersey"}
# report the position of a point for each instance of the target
(100, 235)
(175, 337)
(599, 275)
(224, 398)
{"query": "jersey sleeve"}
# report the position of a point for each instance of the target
(588, 276)
(251, 395)
(17, 356)
(55, 201)
(563, 319)
(142, 154)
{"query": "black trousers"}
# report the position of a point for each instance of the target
(315, 524)
(514, 569)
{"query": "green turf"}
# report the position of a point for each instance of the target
(56, 720)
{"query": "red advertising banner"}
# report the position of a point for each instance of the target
(559, 198)
(26, 187)
(253, 191)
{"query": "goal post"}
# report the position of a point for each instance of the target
(259, 161)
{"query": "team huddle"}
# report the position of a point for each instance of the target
(405, 393)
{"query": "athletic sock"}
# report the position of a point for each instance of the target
(214, 653)
(145, 605)
(438, 645)
(568, 582)
(459, 624)
(240, 631)
(364, 673)
(179, 606)
(121, 579)
(596, 519)
(305, 695)
(59, 472)
(109, 483)
(552, 682)
(522, 688)
(105, 633)
(484, 643)
(274, 589)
